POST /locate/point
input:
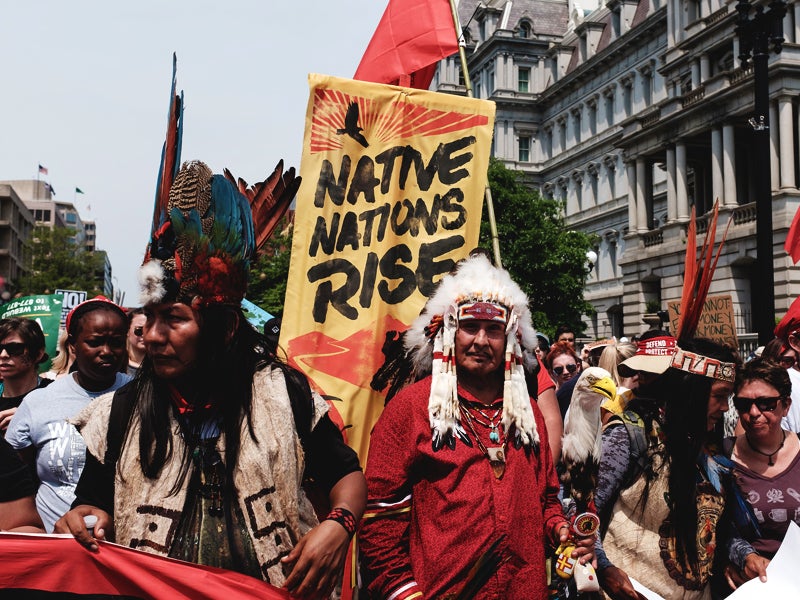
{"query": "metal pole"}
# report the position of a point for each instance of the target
(755, 36)
(487, 194)
(764, 305)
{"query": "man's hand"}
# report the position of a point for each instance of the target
(617, 584)
(72, 522)
(584, 546)
(5, 417)
(755, 565)
(316, 561)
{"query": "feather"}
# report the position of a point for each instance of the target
(483, 569)
(170, 156)
(582, 436)
(698, 273)
(269, 199)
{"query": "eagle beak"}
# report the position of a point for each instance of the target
(606, 387)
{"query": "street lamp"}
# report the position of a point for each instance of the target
(756, 35)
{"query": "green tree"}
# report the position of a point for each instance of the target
(54, 261)
(268, 274)
(546, 258)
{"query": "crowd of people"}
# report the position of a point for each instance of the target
(175, 429)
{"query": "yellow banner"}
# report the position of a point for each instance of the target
(393, 183)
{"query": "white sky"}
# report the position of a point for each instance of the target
(84, 91)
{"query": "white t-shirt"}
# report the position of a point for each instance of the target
(41, 422)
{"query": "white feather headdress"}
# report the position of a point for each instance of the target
(475, 280)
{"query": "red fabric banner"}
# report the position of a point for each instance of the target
(412, 36)
(57, 563)
(792, 245)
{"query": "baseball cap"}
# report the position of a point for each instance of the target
(653, 355)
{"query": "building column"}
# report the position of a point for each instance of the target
(681, 193)
(728, 162)
(696, 74)
(641, 195)
(670, 25)
(705, 70)
(717, 181)
(788, 26)
(774, 134)
(786, 142)
(672, 200)
(632, 225)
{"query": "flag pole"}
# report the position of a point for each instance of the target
(462, 53)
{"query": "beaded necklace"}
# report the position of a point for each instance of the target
(496, 455)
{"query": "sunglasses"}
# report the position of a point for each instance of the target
(13, 348)
(138, 331)
(764, 404)
(787, 361)
(570, 369)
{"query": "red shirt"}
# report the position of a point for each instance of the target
(431, 515)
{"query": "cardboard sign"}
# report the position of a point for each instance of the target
(717, 321)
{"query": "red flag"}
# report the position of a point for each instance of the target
(42, 170)
(412, 36)
(792, 245)
(50, 562)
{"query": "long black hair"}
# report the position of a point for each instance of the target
(685, 400)
(225, 368)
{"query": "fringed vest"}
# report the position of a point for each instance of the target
(268, 478)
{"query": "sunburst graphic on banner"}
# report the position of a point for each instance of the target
(340, 119)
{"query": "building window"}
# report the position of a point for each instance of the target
(562, 133)
(647, 88)
(478, 89)
(524, 30)
(490, 82)
(610, 110)
(576, 124)
(593, 119)
(46, 216)
(627, 96)
(523, 79)
(71, 218)
(524, 148)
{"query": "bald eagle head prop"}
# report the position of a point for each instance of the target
(582, 435)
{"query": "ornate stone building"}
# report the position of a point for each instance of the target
(634, 112)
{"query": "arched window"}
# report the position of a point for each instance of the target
(524, 30)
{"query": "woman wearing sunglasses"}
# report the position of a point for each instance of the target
(21, 353)
(564, 363)
(136, 350)
(765, 460)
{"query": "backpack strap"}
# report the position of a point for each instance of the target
(301, 399)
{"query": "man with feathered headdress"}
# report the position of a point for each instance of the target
(459, 461)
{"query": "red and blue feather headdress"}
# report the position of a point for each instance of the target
(206, 228)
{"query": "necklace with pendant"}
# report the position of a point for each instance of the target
(496, 455)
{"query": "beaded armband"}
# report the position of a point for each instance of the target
(345, 518)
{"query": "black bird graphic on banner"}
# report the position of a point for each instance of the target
(351, 127)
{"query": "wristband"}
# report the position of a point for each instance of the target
(344, 518)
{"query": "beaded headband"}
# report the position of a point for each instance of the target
(698, 364)
(486, 311)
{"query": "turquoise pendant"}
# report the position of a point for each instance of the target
(494, 436)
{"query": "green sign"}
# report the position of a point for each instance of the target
(46, 311)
